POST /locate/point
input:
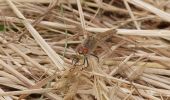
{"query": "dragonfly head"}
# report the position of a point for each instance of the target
(82, 50)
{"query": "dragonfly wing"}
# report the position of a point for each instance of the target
(101, 37)
(90, 43)
(105, 35)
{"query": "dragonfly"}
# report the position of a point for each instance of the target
(89, 44)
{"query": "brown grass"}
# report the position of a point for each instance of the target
(40, 39)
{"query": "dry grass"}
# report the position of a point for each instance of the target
(40, 39)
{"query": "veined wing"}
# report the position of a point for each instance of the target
(105, 35)
(101, 37)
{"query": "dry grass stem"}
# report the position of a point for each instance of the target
(50, 52)
(84, 50)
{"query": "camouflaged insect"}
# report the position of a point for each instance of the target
(90, 43)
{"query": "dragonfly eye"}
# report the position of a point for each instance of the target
(80, 50)
(83, 50)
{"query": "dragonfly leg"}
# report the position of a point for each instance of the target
(75, 60)
(95, 57)
(84, 59)
(87, 61)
